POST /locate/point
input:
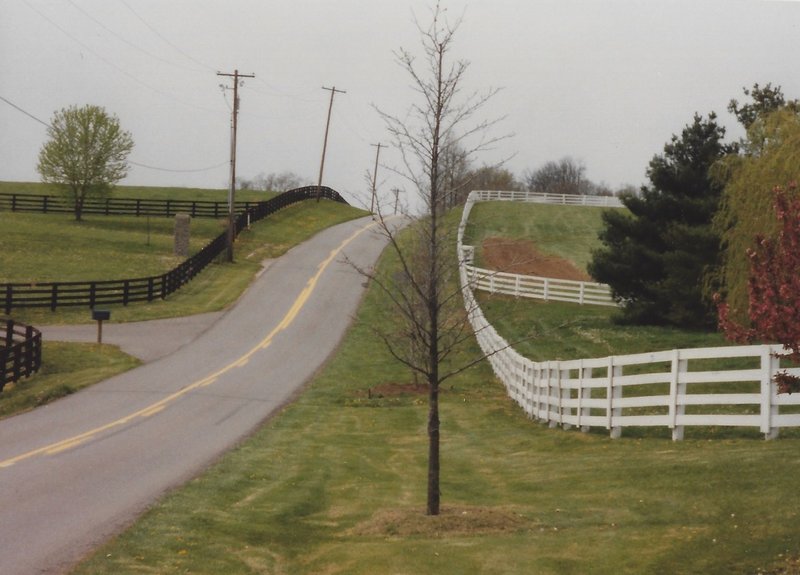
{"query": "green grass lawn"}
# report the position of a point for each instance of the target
(335, 484)
(54, 247)
(569, 232)
(116, 248)
(67, 368)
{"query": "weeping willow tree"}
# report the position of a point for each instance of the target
(772, 158)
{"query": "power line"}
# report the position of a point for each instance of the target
(209, 168)
(13, 105)
(47, 125)
(110, 63)
(122, 39)
(166, 40)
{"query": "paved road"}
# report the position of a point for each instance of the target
(79, 470)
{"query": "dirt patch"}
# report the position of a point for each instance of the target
(457, 520)
(522, 257)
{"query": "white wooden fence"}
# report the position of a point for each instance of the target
(721, 386)
(550, 289)
(536, 287)
(564, 199)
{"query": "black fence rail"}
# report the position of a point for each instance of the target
(120, 206)
(20, 351)
(125, 291)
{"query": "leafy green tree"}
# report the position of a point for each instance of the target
(768, 156)
(654, 255)
(774, 287)
(85, 155)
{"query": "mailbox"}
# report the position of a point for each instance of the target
(101, 314)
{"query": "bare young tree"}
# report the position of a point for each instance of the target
(425, 291)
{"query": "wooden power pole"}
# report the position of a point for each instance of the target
(232, 190)
(333, 91)
(375, 175)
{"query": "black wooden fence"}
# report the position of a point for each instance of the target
(20, 351)
(99, 293)
(119, 206)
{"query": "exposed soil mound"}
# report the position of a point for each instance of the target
(522, 257)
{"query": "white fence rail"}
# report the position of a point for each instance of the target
(532, 286)
(564, 199)
(675, 389)
(549, 289)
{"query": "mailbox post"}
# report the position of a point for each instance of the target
(100, 315)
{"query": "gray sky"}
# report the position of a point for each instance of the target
(605, 81)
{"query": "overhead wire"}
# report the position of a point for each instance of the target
(47, 125)
(125, 40)
(165, 39)
(112, 64)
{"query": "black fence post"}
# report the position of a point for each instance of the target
(29, 351)
(9, 298)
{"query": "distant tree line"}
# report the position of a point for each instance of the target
(272, 182)
(564, 176)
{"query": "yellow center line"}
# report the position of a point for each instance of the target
(156, 407)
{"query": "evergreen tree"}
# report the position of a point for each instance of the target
(654, 255)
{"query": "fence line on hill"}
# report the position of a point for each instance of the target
(125, 291)
(545, 198)
(20, 351)
(47, 204)
(536, 287)
(722, 386)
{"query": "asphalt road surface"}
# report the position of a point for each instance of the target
(75, 472)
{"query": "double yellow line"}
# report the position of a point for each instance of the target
(158, 406)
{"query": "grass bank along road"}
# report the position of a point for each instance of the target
(75, 472)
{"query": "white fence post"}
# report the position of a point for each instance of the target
(584, 391)
(565, 397)
(677, 391)
(769, 367)
(613, 392)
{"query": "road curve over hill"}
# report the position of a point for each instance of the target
(77, 471)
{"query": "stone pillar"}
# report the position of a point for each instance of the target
(182, 222)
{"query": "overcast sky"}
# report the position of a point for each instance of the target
(604, 81)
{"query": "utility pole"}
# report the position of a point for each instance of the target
(396, 198)
(232, 190)
(375, 175)
(333, 91)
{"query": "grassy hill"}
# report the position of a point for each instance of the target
(336, 484)
(566, 231)
(50, 247)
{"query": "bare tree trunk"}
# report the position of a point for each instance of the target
(439, 124)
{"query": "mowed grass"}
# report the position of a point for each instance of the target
(569, 232)
(116, 250)
(335, 484)
(54, 247)
(67, 368)
(40, 247)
